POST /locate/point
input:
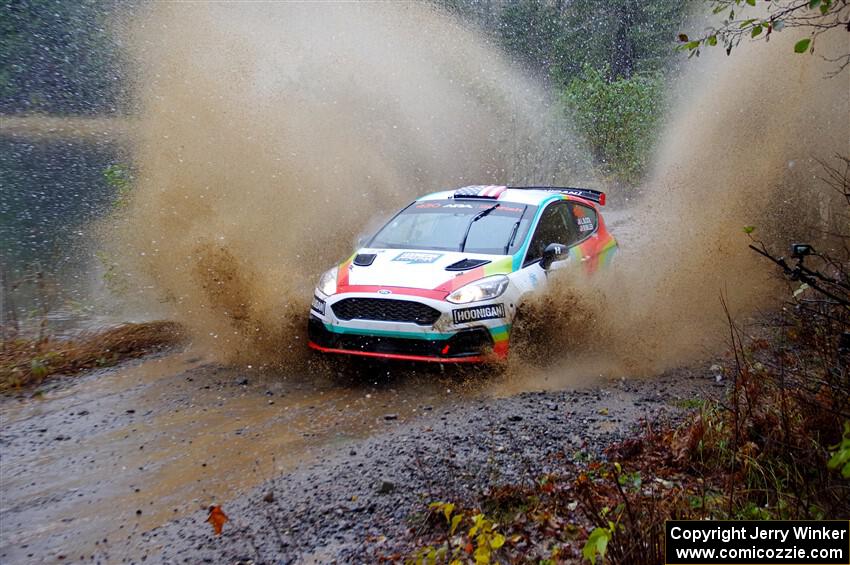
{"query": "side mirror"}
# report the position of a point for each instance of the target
(552, 252)
(800, 250)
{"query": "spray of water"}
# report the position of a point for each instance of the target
(741, 148)
(271, 135)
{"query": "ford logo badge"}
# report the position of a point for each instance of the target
(385, 291)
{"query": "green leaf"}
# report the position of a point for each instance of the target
(447, 510)
(802, 45)
(749, 229)
(455, 523)
(691, 45)
(757, 29)
(712, 40)
(814, 3)
(751, 2)
(482, 554)
(497, 541)
(597, 544)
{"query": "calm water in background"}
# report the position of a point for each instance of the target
(51, 190)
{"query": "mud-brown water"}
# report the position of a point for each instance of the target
(169, 436)
(270, 135)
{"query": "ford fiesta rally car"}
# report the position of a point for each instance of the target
(443, 279)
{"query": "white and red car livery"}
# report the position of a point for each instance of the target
(443, 279)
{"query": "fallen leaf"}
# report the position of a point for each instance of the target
(217, 518)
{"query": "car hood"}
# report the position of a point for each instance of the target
(417, 268)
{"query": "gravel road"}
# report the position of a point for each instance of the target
(361, 500)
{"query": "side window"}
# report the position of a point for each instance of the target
(585, 219)
(556, 225)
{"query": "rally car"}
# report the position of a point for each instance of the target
(443, 279)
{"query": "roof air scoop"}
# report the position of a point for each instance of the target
(467, 264)
(364, 259)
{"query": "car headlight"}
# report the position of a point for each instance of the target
(484, 289)
(327, 284)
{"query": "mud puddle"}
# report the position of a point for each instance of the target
(88, 465)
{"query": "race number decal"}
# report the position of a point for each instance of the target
(477, 313)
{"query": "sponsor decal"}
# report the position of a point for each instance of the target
(579, 193)
(585, 224)
(413, 257)
(318, 305)
(488, 312)
(457, 206)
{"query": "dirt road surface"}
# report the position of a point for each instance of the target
(121, 464)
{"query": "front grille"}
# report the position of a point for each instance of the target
(386, 310)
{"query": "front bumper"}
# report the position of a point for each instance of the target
(472, 345)
(445, 341)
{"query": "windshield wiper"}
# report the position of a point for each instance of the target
(513, 235)
(514, 231)
(477, 217)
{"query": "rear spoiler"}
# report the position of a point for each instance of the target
(586, 193)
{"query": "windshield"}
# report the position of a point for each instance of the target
(458, 225)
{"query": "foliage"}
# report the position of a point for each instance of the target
(625, 36)
(626, 43)
(621, 38)
(776, 447)
(619, 118)
(479, 543)
(530, 30)
(120, 178)
(840, 460)
(814, 16)
(27, 362)
(597, 543)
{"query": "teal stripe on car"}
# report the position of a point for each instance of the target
(520, 255)
(409, 335)
(386, 333)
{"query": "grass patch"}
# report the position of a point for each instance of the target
(689, 403)
(26, 362)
